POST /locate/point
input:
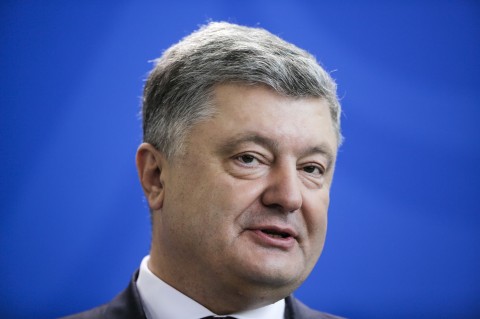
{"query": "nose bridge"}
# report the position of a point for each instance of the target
(284, 188)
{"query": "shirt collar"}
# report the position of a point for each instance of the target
(161, 300)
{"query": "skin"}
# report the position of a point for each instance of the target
(263, 163)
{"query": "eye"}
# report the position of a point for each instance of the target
(247, 160)
(314, 169)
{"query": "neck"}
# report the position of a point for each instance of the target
(215, 295)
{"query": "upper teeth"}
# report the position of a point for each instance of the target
(275, 235)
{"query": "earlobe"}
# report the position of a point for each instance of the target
(150, 164)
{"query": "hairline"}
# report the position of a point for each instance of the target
(168, 133)
(210, 104)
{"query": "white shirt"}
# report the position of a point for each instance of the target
(162, 301)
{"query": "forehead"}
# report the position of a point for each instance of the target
(243, 106)
(257, 113)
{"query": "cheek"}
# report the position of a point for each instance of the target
(236, 194)
(207, 199)
(316, 216)
(228, 205)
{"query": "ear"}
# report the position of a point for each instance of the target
(150, 166)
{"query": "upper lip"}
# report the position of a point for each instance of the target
(277, 229)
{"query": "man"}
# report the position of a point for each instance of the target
(241, 131)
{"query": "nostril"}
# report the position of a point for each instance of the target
(279, 208)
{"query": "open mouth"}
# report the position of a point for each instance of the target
(275, 234)
(283, 238)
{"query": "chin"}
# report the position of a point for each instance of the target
(275, 276)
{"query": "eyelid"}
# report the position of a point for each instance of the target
(255, 156)
(321, 168)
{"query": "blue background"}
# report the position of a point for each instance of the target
(404, 231)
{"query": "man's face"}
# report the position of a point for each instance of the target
(245, 206)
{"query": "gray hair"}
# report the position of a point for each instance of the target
(179, 90)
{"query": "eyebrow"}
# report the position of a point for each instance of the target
(228, 146)
(323, 149)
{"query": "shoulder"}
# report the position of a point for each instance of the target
(295, 309)
(98, 312)
(126, 305)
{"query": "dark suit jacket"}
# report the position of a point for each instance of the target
(127, 305)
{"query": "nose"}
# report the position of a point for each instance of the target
(283, 191)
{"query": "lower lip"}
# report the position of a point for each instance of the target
(268, 241)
